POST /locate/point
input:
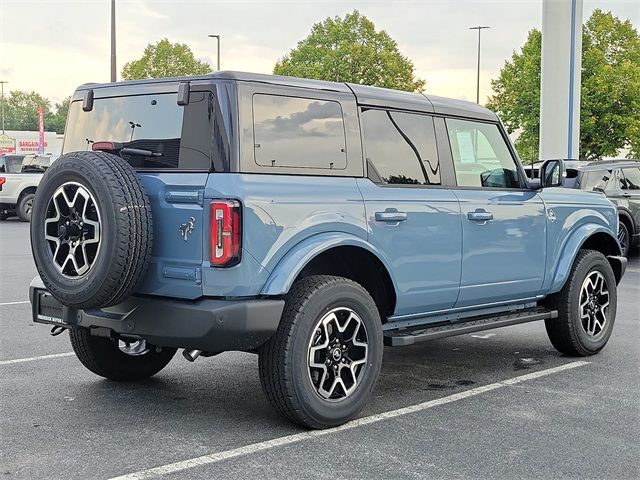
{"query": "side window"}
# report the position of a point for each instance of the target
(632, 178)
(481, 156)
(400, 147)
(595, 180)
(298, 132)
(616, 181)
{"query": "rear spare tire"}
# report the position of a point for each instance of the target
(91, 229)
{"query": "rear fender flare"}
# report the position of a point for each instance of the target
(290, 266)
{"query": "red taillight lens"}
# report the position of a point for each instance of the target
(3, 180)
(225, 233)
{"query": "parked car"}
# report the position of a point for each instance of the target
(19, 179)
(308, 222)
(617, 179)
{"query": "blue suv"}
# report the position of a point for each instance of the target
(308, 222)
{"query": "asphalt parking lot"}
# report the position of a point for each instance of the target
(498, 404)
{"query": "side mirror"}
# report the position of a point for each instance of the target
(551, 173)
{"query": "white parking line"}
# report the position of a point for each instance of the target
(14, 303)
(158, 472)
(31, 359)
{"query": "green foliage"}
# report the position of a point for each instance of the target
(350, 50)
(56, 121)
(610, 93)
(165, 59)
(21, 112)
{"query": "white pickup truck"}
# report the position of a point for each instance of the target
(19, 178)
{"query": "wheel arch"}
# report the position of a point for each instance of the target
(625, 216)
(587, 237)
(337, 254)
(25, 191)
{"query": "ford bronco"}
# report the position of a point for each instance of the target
(308, 222)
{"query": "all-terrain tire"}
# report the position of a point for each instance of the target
(103, 357)
(126, 230)
(24, 207)
(283, 360)
(567, 332)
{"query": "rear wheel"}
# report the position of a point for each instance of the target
(586, 307)
(117, 359)
(320, 367)
(25, 206)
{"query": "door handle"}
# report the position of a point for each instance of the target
(391, 216)
(480, 216)
(626, 194)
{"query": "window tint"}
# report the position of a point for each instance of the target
(481, 156)
(400, 147)
(632, 178)
(298, 132)
(153, 123)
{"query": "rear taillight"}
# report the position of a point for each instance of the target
(225, 233)
(101, 146)
(3, 180)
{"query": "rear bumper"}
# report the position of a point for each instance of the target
(210, 325)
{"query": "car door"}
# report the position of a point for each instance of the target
(630, 196)
(503, 223)
(412, 220)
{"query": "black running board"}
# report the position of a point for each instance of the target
(408, 336)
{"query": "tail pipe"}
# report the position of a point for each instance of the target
(191, 355)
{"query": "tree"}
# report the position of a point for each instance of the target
(165, 59)
(610, 93)
(21, 110)
(350, 50)
(56, 121)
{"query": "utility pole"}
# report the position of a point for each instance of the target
(2, 82)
(479, 28)
(217, 37)
(113, 41)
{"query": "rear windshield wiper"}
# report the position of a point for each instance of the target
(120, 148)
(139, 152)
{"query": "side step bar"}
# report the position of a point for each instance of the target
(408, 336)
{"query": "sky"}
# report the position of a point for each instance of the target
(53, 46)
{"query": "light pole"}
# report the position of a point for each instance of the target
(479, 28)
(217, 37)
(2, 82)
(113, 41)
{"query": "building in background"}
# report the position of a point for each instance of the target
(25, 142)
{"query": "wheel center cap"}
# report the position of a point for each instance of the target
(336, 354)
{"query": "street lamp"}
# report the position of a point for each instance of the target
(479, 28)
(2, 83)
(217, 37)
(113, 41)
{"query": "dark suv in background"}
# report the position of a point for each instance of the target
(619, 180)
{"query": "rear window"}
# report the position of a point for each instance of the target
(10, 163)
(298, 133)
(186, 138)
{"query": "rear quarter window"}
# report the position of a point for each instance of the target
(296, 132)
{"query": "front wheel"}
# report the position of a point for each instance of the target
(117, 359)
(320, 367)
(624, 238)
(586, 307)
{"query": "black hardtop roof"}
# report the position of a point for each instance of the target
(365, 95)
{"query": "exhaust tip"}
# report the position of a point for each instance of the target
(191, 355)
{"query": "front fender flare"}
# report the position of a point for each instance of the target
(569, 251)
(290, 266)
